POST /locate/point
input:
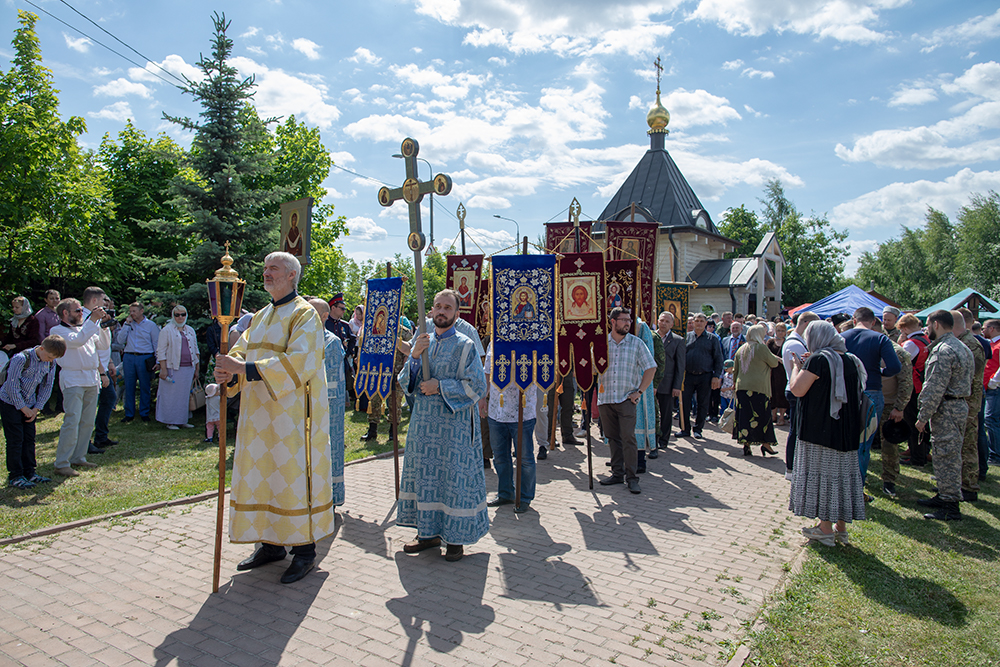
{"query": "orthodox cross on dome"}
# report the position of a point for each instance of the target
(659, 70)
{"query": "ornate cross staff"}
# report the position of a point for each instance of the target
(460, 212)
(412, 192)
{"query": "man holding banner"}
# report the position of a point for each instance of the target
(442, 490)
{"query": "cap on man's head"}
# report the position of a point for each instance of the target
(839, 319)
(891, 309)
(337, 299)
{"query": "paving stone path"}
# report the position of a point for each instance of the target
(585, 578)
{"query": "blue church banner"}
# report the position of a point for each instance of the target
(523, 294)
(383, 305)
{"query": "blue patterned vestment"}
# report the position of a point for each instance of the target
(336, 392)
(645, 409)
(442, 489)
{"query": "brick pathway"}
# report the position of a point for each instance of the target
(586, 578)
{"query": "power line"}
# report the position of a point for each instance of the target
(367, 178)
(75, 29)
(147, 58)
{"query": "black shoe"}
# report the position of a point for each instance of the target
(145, 419)
(607, 463)
(497, 501)
(683, 434)
(869, 497)
(572, 441)
(419, 545)
(264, 555)
(454, 552)
(947, 512)
(127, 420)
(639, 470)
(931, 502)
(106, 443)
(970, 496)
(522, 508)
(487, 464)
(542, 454)
(653, 454)
(613, 479)
(94, 450)
(299, 568)
(372, 433)
(889, 489)
(633, 486)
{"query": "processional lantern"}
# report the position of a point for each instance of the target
(225, 292)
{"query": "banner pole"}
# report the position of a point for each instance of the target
(520, 448)
(393, 408)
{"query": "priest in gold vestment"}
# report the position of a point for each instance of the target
(282, 485)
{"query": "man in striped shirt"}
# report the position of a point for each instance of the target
(630, 372)
(30, 376)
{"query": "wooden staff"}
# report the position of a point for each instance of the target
(393, 408)
(223, 350)
(520, 447)
(590, 453)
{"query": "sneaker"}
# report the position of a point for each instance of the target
(187, 425)
(38, 479)
(816, 535)
(889, 489)
(579, 433)
(841, 536)
(173, 427)
(789, 476)
(542, 454)
(698, 436)
(20, 483)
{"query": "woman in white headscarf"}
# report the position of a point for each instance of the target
(177, 356)
(752, 376)
(24, 328)
(827, 480)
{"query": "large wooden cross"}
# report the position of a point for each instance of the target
(412, 192)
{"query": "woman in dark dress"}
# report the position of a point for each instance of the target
(752, 377)
(779, 404)
(827, 480)
(25, 331)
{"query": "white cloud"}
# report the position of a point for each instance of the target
(81, 44)
(333, 193)
(500, 62)
(363, 55)
(256, 50)
(488, 202)
(119, 111)
(697, 107)
(913, 97)
(753, 112)
(982, 80)
(975, 30)
(840, 20)
(279, 93)
(341, 157)
(857, 248)
(174, 64)
(635, 102)
(732, 64)
(306, 47)
(122, 87)
(488, 240)
(751, 72)
(365, 229)
(250, 32)
(906, 203)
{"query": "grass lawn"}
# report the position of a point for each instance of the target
(908, 591)
(150, 464)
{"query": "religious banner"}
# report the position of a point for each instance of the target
(464, 275)
(673, 298)
(561, 237)
(383, 306)
(583, 317)
(523, 309)
(637, 241)
(296, 228)
(621, 285)
(483, 308)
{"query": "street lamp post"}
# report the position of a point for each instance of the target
(430, 246)
(517, 227)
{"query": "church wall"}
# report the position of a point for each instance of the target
(718, 298)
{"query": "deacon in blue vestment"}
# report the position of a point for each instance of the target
(442, 487)
(336, 393)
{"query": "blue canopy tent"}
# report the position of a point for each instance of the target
(980, 305)
(847, 301)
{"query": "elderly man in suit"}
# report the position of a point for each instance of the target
(669, 387)
(732, 342)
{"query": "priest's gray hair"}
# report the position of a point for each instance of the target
(291, 264)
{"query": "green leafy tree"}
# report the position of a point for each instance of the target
(978, 232)
(742, 224)
(54, 208)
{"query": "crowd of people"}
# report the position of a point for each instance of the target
(842, 386)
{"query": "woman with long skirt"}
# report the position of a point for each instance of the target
(177, 356)
(753, 393)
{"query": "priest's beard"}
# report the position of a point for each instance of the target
(442, 322)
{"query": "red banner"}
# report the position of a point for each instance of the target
(561, 237)
(483, 309)
(637, 241)
(621, 286)
(583, 332)
(464, 275)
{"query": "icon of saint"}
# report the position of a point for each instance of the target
(464, 294)
(293, 238)
(580, 308)
(523, 310)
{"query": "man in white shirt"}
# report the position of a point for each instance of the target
(795, 344)
(92, 298)
(81, 380)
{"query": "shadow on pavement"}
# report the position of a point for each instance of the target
(444, 601)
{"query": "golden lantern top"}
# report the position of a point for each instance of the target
(227, 273)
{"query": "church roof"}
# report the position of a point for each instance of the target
(738, 272)
(660, 189)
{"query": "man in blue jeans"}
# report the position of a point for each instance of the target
(500, 408)
(873, 349)
(139, 335)
(991, 397)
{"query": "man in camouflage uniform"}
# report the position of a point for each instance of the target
(896, 390)
(890, 316)
(942, 402)
(970, 445)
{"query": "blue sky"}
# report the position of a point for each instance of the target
(868, 111)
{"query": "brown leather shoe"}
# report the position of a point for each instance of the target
(67, 472)
(85, 464)
(454, 552)
(419, 545)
